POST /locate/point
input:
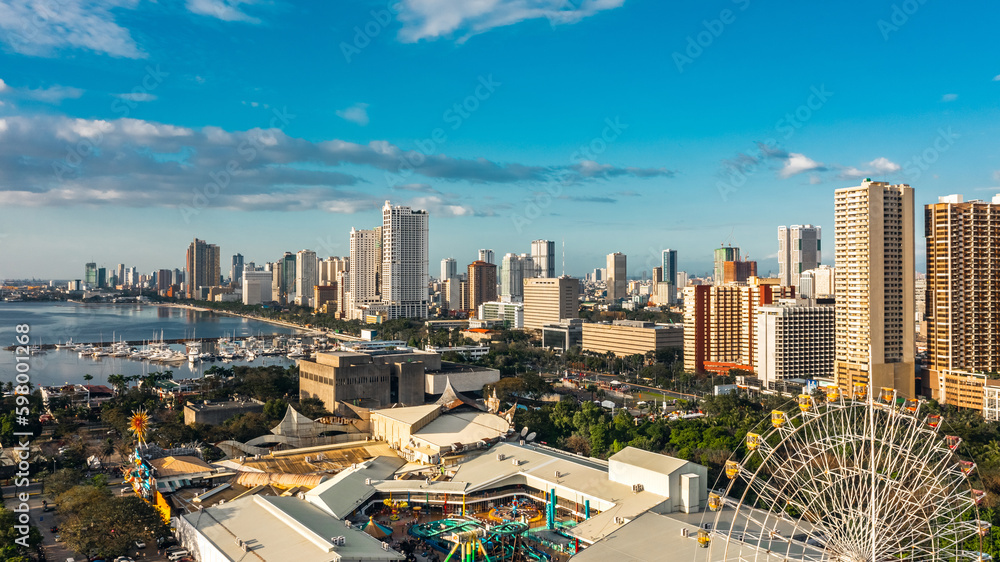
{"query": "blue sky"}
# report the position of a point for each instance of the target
(129, 127)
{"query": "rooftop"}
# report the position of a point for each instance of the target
(279, 529)
(409, 414)
(175, 466)
(463, 427)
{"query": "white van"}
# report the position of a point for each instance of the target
(178, 554)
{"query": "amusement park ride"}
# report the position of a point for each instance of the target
(848, 477)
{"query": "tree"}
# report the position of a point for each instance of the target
(61, 480)
(275, 409)
(11, 551)
(88, 377)
(97, 523)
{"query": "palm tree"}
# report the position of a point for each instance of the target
(118, 382)
(88, 377)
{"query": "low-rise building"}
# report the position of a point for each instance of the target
(507, 314)
(214, 413)
(471, 352)
(171, 473)
(564, 335)
(795, 341)
(424, 433)
(630, 337)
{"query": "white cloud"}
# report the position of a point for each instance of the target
(814, 179)
(35, 28)
(225, 10)
(52, 94)
(883, 165)
(949, 97)
(996, 78)
(852, 172)
(430, 19)
(357, 113)
(798, 163)
(275, 172)
(137, 96)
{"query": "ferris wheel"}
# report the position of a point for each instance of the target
(847, 477)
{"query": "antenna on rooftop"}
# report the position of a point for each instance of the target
(564, 256)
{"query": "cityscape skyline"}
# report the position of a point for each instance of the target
(591, 143)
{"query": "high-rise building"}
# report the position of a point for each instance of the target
(325, 298)
(102, 277)
(482, 284)
(511, 273)
(236, 270)
(543, 256)
(817, 283)
(90, 274)
(874, 287)
(597, 275)
(330, 269)
(405, 262)
(451, 294)
(722, 255)
(257, 286)
(306, 276)
(738, 271)
(366, 261)
(486, 256)
(287, 282)
(720, 330)
(616, 277)
(798, 251)
(120, 274)
(550, 300)
(203, 267)
(163, 280)
(794, 341)
(657, 275)
(962, 304)
(449, 269)
(669, 266)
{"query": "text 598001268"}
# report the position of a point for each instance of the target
(22, 388)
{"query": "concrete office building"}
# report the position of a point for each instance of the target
(795, 341)
(382, 377)
(256, 287)
(550, 300)
(874, 286)
(631, 337)
(306, 276)
(657, 275)
(486, 255)
(543, 256)
(722, 255)
(798, 251)
(203, 266)
(962, 305)
(405, 265)
(511, 314)
(482, 285)
(286, 283)
(616, 277)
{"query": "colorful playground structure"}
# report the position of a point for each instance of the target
(466, 540)
(522, 510)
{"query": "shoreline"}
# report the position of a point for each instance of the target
(306, 331)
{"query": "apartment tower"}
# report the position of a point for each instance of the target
(963, 298)
(616, 273)
(873, 238)
(203, 266)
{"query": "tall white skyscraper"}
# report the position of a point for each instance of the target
(486, 256)
(798, 251)
(306, 276)
(543, 255)
(874, 287)
(449, 269)
(405, 273)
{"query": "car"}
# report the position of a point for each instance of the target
(58, 538)
(140, 544)
(124, 559)
(53, 529)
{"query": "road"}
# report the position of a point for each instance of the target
(605, 377)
